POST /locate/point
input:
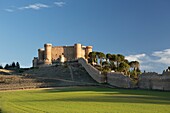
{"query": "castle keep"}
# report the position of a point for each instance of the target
(52, 54)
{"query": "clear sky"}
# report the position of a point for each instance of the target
(138, 29)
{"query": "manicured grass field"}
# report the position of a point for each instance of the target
(84, 100)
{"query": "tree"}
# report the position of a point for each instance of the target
(136, 71)
(169, 68)
(134, 65)
(108, 56)
(13, 64)
(6, 66)
(1, 67)
(112, 66)
(126, 61)
(120, 57)
(101, 56)
(106, 66)
(105, 63)
(113, 58)
(17, 65)
(123, 67)
(92, 57)
(117, 59)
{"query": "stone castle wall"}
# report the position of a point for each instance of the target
(93, 72)
(146, 80)
(119, 80)
(155, 81)
(50, 54)
(67, 51)
(114, 79)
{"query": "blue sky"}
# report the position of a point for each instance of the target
(138, 29)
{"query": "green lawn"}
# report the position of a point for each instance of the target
(84, 100)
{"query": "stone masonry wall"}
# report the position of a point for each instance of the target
(114, 79)
(146, 80)
(119, 80)
(154, 81)
(93, 72)
(68, 52)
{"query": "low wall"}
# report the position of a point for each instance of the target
(154, 81)
(93, 72)
(119, 80)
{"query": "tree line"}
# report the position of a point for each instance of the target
(13, 65)
(114, 62)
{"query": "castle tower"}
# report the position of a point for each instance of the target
(40, 55)
(88, 50)
(47, 53)
(35, 62)
(78, 50)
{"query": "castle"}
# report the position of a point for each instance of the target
(52, 54)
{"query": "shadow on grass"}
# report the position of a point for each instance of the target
(115, 99)
(109, 95)
(159, 94)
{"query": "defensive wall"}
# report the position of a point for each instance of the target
(114, 79)
(154, 81)
(119, 80)
(93, 72)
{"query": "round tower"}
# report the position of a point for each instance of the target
(88, 50)
(78, 50)
(35, 62)
(41, 55)
(47, 53)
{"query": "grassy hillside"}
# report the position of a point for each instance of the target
(68, 74)
(85, 100)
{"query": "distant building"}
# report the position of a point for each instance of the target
(52, 54)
